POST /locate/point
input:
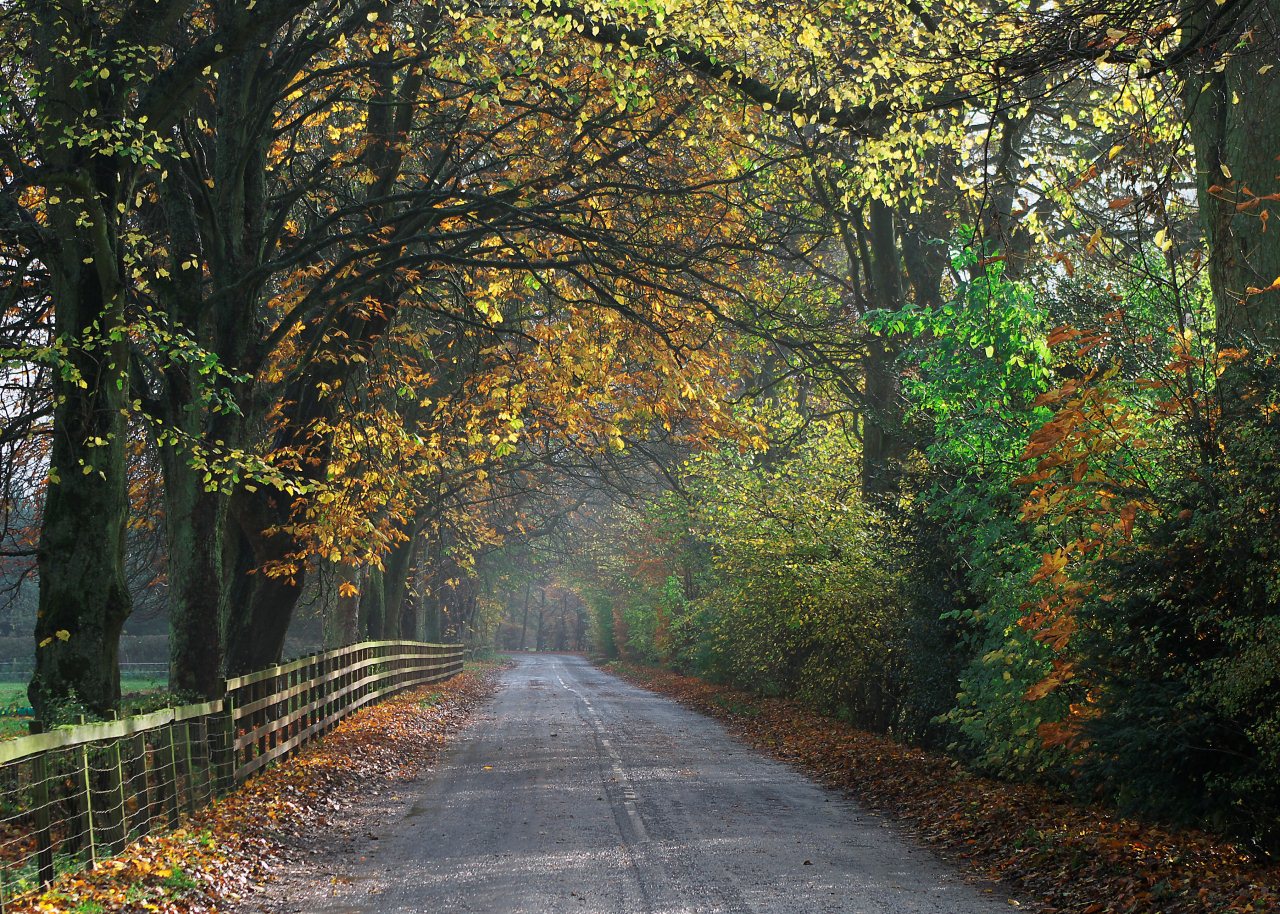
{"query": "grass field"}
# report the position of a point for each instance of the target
(13, 698)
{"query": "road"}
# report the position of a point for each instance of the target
(577, 792)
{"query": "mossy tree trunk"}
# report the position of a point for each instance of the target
(84, 598)
(1232, 95)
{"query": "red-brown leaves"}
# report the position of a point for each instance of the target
(1075, 858)
(224, 851)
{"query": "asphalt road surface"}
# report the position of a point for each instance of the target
(576, 792)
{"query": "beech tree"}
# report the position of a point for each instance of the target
(92, 96)
(242, 222)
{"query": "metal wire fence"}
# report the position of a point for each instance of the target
(75, 795)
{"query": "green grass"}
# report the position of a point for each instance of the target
(141, 693)
(14, 694)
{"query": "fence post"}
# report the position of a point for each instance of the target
(274, 715)
(229, 755)
(206, 757)
(189, 762)
(337, 682)
(327, 690)
(87, 786)
(151, 768)
(294, 704)
(364, 656)
(117, 819)
(169, 776)
(261, 691)
(44, 824)
(344, 680)
(351, 696)
(315, 696)
(285, 712)
(142, 759)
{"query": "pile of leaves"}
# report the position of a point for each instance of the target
(226, 851)
(1075, 857)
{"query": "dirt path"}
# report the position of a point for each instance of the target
(577, 792)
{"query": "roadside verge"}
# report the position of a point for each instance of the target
(228, 851)
(1076, 858)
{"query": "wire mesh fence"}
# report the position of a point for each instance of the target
(76, 795)
(279, 709)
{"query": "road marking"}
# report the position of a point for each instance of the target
(629, 798)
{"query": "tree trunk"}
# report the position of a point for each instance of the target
(258, 606)
(1231, 112)
(431, 617)
(195, 519)
(926, 263)
(882, 415)
(410, 622)
(259, 612)
(541, 641)
(227, 229)
(524, 621)
(84, 599)
(341, 612)
(395, 580)
(373, 608)
(1003, 232)
(195, 524)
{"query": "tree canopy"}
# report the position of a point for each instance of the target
(914, 357)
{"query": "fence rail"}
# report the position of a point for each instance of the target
(279, 709)
(76, 794)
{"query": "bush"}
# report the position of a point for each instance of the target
(1187, 646)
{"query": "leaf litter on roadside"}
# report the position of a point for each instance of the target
(1074, 857)
(226, 851)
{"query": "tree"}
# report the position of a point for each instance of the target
(1231, 88)
(91, 96)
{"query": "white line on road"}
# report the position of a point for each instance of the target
(629, 798)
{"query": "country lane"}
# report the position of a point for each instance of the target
(577, 792)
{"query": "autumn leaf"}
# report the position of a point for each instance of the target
(1085, 856)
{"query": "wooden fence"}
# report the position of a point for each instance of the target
(76, 794)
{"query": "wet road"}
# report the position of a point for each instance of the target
(577, 792)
